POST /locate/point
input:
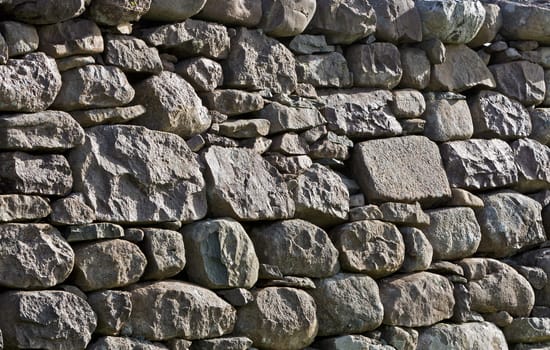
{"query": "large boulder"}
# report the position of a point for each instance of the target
(471, 335)
(533, 17)
(397, 21)
(283, 18)
(150, 177)
(376, 65)
(533, 162)
(246, 13)
(45, 11)
(73, 37)
(173, 10)
(520, 80)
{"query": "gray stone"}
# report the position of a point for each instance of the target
(539, 258)
(242, 71)
(532, 15)
(3, 50)
(304, 283)
(233, 102)
(400, 338)
(202, 73)
(142, 186)
(376, 65)
(306, 44)
(73, 37)
(173, 10)
(23, 173)
(471, 335)
(19, 37)
(370, 246)
(165, 253)
(244, 186)
(289, 164)
(397, 21)
(546, 101)
(416, 300)
(93, 232)
(236, 296)
(29, 84)
(194, 312)
(490, 27)
(228, 343)
(520, 80)
(323, 70)
(112, 308)
(220, 254)
(501, 318)
(478, 164)
(115, 12)
(463, 198)
(416, 68)
(179, 344)
(119, 343)
(343, 22)
(448, 120)
(131, 54)
(297, 248)
(453, 22)
(418, 250)
(286, 118)
(17, 208)
(244, 128)
(435, 50)
(528, 330)
(407, 104)
(410, 170)
(414, 126)
(351, 342)
(533, 163)
(45, 11)
(404, 214)
(510, 222)
(258, 144)
(68, 63)
(37, 255)
(71, 210)
(247, 13)
(107, 264)
(284, 18)
(45, 320)
(42, 131)
(279, 317)
(117, 115)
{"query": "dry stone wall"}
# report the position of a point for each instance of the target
(276, 174)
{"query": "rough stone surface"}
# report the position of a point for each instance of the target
(202, 73)
(418, 250)
(490, 27)
(45, 11)
(397, 21)
(520, 80)
(525, 21)
(283, 18)
(173, 10)
(112, 343)
(17, 208)
(71, 210)
(247, 13)
(323, 70)
(404, 214)
(376, 65)
(227, 343)
(233, 102)
(73, 37)
(165, 253)
(408, 104)
(528, 330)
(540, 120)
(131, 55)
(416, 68)
(539, 258)
(286, 118)
(112, 308)
(117, 115)
(471, 335)
(114, 12)
(448, 120)
(92, 232)
(533, 163)
(20, 38)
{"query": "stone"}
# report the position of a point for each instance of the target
(413, 126)
(520, 80)
(284, 18)
(228, 343)
(71, 210)
(359, 113)
(233, 102)
(540, 120)
(416, 68)
(323, 70)
(448, 120)
(45, 12)
(289, 165)
(490, 27)
(453, 233)
(165, 253)
(453, 22)
(532, 16)
(112, 343)
(269, 272)
(173, 10)
(242, 185)
(17, 208)
(236, 296)
(41, 131)
(112, 308)
(116, 115)
(397, 21)
(533, 163)
(3, 50)
(546, 101)
(258, 144)
(107, 264)
(400, 338)
(463, 198)
(470, 335)
(407, 104)
(463, 69)
(343, 22)
(246, 13)
(376, 65)
(539, 258)
(370, 246)
(307, 44)
(112, 13)
(131, 54)
(416, 300)
(528, 330)
(290, 281)
(410, 170)
(510, 222)
(20, 38)
(202, 73)
(351, 342)
(72, 37)
(435, 50)
(220, 254)
(479, 164)
(93, 232)
(244, 128)
(143, 187)
(67, 63)
(23, 173)
(404, 214)
(46, 320)
(297, 248)
(287, 118)
(501, 318)
(418, 250)
(279, 317)
(195, 312)
(189, 38)
(241, 71)
(29, 84)
(37, 255)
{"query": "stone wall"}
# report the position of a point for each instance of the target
(276, 174)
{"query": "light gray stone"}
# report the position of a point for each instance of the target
(376, 65)
(233, 102)
(116, 115)
(20, 38)
(533, 163)
(284, 18)
(351, 342)
(17, 208)
(112, 308)
(287, 118)
(532, 15)
(404, 214)
(115, 12)
(397, 21)
(407, 104)
(520, 80)
(418, 250)
(227, 343)
(448, 120)
(463, 198)
(71, 210)
(120, 343)
(244, 128)
(72, 37)
(247, 13)
(471, 335)
(165, 253)
(323, 70)
(131, 54)
(93, 232)
(71, 62)
(416, 68)
(45, 11)
(202, 73)
(400, 338)
(490, 27)
(173, 10)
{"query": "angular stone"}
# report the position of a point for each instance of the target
(490, 27)
(407, 104)
(220, 254)
(115, 12)
(370, 246)
(202, 73)
(418, 250)
(541, 259)
(453, 22)
(400, 338)
(478, 164)
(404, 214)
(236, 296)
(117, 115)
(244, 186)
(165, 253)
(540, 119)
(107, 264)
(258, 144)
(20, 38)
(37, 255)
(520, 80)
(246, 13)
(376, 65)
(323, 70)
(416, 300)
(173, 10)
(71, 62)
(286, 118)
(397, 21)
(45, 12)
(494, 286)
(359, 113)
(114, 343)
(289, 165)
(448, 120)
(284, 18)
(279, 317)
(140, 185)
(533, 17)
(233, 102)
(93, 232)
(410, 170)
(471, 335)
(242, 71)
(533, 163)
(17, 208)
(131, 55)
(463, 69)
(528, 330)
(195, 312)
(29, 84)
(228, 343)
(73, 37)
(306, 44)
(413, 126)
(244, 128)
(343, 22)
(23, 173)
(297, 248)
(45, 320)
(112, 308)
(510, 222)
(71, 210)
(416, 68)
(42, 131)
(463, 198)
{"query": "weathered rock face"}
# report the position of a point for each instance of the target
(285, 118)
(165, 253)
(18, 208)
(247, 13)
(448, 120)
(324, 70)
(71, 210)
(482, 335)
(46, 320)
(397, 21)
(45, 11)
(112, 308)
(279, 317)
(73, 37)
(111, 343)
(376, 65)
(131, 55)
(202, 73)
(282, 18)
(173, 10)
(112, 13)
(528, 330)
(490, 27)
(539, 258)
(520, 80)
(533, 162)
(233, 102)
(418, 250)
(532, 17)
(122, 177)
(234, 343)
(416, 68)
(20, 38)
